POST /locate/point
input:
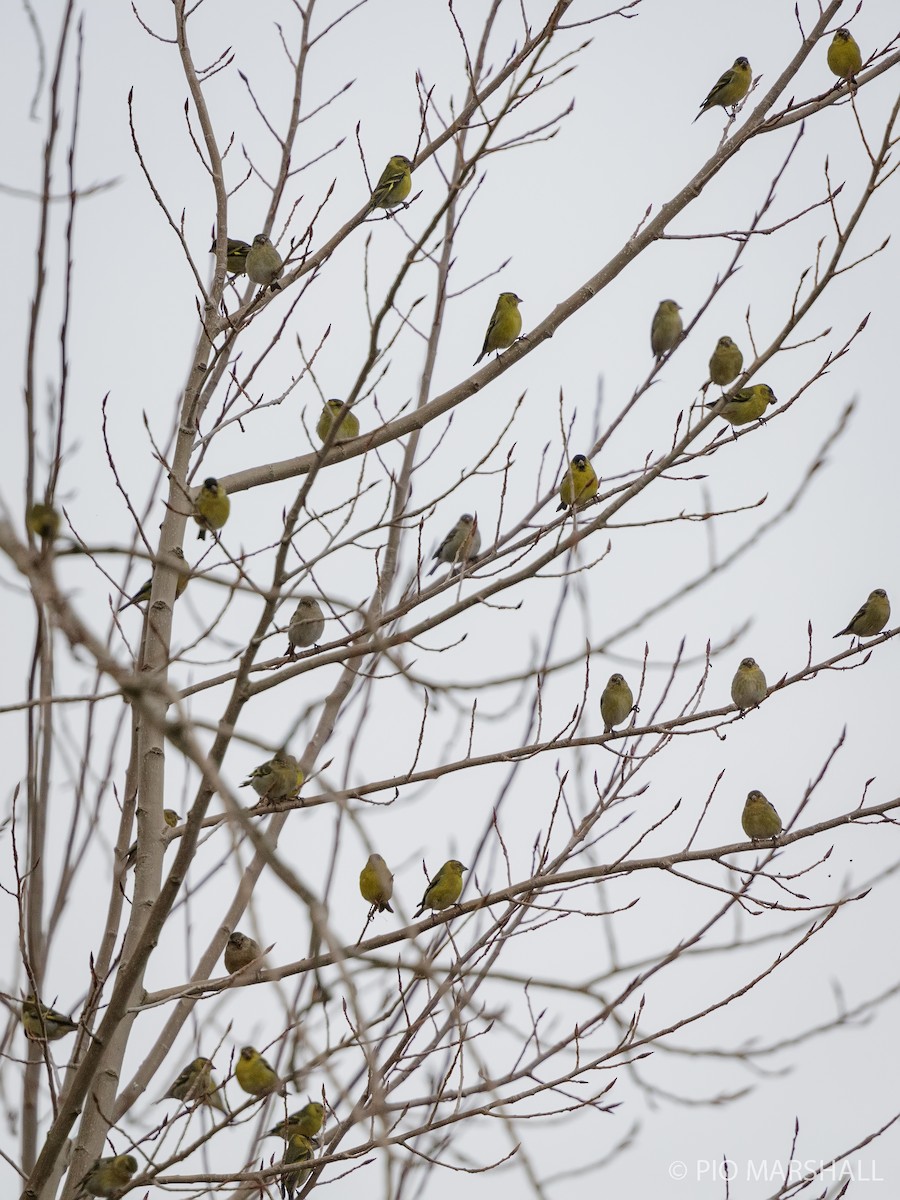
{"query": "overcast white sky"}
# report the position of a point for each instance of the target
(557, 211)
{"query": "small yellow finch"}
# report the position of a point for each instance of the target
(255, 1076)
(348, 428)
(195, 1086)
(263, 263)
(748, 688)
(376, 884)
(844, 57)
(276, 779)
(108, 1176)
(307, 624)
(235, 256)
(579, 484)
(461, 544)
(730, 88)
(759, 819)
(43, 1023)
(307, 1122)
(749, 404)
(870, 618)
(212, 506)
(726, 362)
(240, 952)
(616, 703)
(444, 889)
(666, 328)
(504, 326)
(394, 185)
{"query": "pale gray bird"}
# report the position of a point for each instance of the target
(461, 544)
(307, 624)
(264, 264)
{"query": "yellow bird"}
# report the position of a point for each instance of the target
(394, 185)
(43, 1023)
(171, 818)
(235, 256)
(306, 1122)
(616, 703)
(730, 88)
(844, 57)
(461, 543)
(43, 521)
(748, 688)
(255, 1076)
(212, 506)
(195, 1086)
(241, 951)
(870, 618)
(726, 362)
(749, 404)
(444, 889)
(263, 263)
(376, 883)
(666, 328)
(348, 428)
(759, 819)
(143, 592)
(276, 779)
(299, 1150)
(504, 326)
(579, 484)
(108, 1176)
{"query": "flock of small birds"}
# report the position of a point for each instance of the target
(281, 777)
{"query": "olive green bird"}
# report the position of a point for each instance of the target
(844, 57)
(749, 404)
(195, 1085)
(43, 1023)
(240, 952)
(730, 88)
(726, 362)
(170, 817)
(376, 884)
(108, 1176)
(504, 326)
(759, 819)
(748, 688)
(579, 484)
(307, 624)
(263, 263)
(143, 592)
(299, 1149)
(870, 618)
(444, 889)
(235, 256)
(255, 1076)
(306, 1122)
(666, 328)
(276, 779)
(348, 428)
(211, 507)
(461, 544)
(394, 185)
(616, 702)
(43, 521)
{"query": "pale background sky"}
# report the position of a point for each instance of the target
(557, 211)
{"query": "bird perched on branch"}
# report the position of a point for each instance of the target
(212, 506)
(870, 618)
(504, 326)
(143, 592)
(43, 1023)
(195, 1086)
(844, 57)
(235, 255)
(108, 1176)
(461, 544)
(749, 404)
(616, 703)
(444, 889)
(255, 1076)
(394, 185)
(263, 263)
(730, 88)
(348, 428)
(276, 779)
(43, 521)
(726, 362)
(306, 1122)
(307, 624)
(579, 484)
(748, 688)
(376, 884)
(759, 819)
(240, 952)
(666, 328)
